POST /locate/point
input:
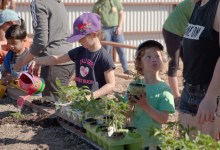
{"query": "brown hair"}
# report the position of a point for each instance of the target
(15, 32)
(140, 54)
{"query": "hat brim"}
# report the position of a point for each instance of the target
(151, 43)
(75, 38)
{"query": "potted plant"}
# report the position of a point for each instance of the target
(72, 101)
(117, 109)
(136, 87)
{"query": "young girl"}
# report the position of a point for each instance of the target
(15, 36)
(94, 66)
(152, 108)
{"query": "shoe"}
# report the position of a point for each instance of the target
(128, 72)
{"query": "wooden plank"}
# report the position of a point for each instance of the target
(115, 44)
(124, 76)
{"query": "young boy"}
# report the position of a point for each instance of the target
(152, 108)
(15, 36)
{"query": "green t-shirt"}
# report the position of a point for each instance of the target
(159, 96)
(104, 9)
(179, 17)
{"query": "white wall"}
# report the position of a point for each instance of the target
(143, 18)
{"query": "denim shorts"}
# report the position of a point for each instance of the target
(191, 98)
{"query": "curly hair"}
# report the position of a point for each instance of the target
(140, 53)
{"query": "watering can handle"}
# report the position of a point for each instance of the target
(33, 71)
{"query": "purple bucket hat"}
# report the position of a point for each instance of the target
(83, 25)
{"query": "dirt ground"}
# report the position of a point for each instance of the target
(38, 132)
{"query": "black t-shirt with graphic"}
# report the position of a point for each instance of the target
(86, 61)
(201, 44)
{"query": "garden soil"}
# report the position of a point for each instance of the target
(35, 131)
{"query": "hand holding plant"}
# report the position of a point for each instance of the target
(142, 101)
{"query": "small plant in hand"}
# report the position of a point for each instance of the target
(173, 141)
(136, 87)
(16, 115)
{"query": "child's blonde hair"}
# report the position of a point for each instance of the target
(141, 52)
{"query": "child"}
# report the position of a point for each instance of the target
(152, 108)
(94, 66)
(8, 18)
(15, 36)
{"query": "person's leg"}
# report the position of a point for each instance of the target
(173, 43)
(121, 52)
(50, 73)
(107, 37)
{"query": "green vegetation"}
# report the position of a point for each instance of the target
(16, 115)
(175, 137)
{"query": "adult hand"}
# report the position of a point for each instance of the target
(206, 110)
(215, 130)
(118, 30)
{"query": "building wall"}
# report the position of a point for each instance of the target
(143, 18)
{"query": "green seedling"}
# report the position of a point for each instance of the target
(16, 115)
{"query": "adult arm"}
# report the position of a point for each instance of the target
(40, 39)
(209, 103)
(109, 86)
(40, 17)
(120, 22)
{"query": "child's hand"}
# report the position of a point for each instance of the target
(142, 102)
(7, 80)
(132, 99)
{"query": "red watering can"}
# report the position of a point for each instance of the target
(30, 83)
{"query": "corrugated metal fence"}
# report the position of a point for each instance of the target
(143, 18)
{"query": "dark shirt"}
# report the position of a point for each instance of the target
(86, 61)
(201, 44)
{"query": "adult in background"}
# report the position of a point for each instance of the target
(201, 66)
(173, 31)
(112, 18)
(50, 26)
(6, 4)
(9, 17)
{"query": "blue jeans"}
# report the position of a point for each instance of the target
(111, 36)
(191, 98)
